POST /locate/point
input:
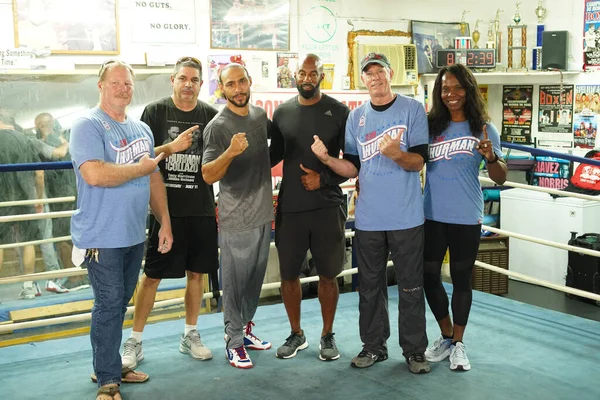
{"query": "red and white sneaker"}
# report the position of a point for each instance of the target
(252, 342)
(55, 287)
(238, 357)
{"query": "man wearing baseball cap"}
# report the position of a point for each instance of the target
(386, 146)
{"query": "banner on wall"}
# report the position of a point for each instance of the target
(516, 113)
(591, 35)
(163, 22)
(555, 109)
(585, 120)
(551, 172)
(271, 100)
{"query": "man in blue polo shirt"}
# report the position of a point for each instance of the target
(387, 140)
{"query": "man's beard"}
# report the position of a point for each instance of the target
(310, 93)
(243, 104)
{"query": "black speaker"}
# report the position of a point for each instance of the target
(554, 49)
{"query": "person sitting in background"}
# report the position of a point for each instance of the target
(454, 203)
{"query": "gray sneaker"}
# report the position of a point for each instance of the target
(292, 345)
(192, 344)
(367, 358)
(132, 353)
(328, 349)
(28, 292)
(418, 364)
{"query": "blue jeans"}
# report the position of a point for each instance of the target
(113, 278)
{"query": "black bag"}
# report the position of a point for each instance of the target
(583, 271)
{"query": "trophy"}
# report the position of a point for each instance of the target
(521, 44)
(463, 23)
(540, 13)
(476, 35)
(498, 34)
(490, 44)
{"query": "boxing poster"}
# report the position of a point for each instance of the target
(585, 119)
(551, 172)
(556, 109)
(591, 35)
(516, 113)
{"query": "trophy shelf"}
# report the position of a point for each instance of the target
(520, 77)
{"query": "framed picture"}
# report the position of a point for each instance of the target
(429, 37)
(67, 26)
(250, 24)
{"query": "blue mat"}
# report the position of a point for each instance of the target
(517, 351)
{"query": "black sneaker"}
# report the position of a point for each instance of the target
(294, 343)
(328, 349)
(366, 358)
(418, 364)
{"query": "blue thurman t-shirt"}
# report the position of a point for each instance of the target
(452, 189)
(390, 197)
(110, 217)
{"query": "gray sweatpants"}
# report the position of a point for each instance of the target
(244, 257)
(372, 250)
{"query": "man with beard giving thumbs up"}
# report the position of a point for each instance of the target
(311, 213)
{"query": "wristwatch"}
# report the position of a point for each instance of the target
(494, 160)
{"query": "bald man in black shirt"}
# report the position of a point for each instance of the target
(311, 210)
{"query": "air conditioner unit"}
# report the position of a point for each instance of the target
(403, 58)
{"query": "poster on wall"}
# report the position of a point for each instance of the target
(591, 35)
(67, 26)
(555, 109)
(551, 172)
(163, 22)
(516, 113)
(484, 93)
(250, 24)
(585, 119)
(286, 66)
(215, 64)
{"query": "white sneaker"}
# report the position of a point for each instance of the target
(27, 292)
(238, 357)
(458, 358)
(252, 342)
(192, 344)
(439, 350)
(132, 353)
(55, 287)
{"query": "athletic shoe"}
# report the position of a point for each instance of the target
(418, 364)
(328, 349)
(294, 343)
(132, 353)
(192, 344)
(367, 358)
(27, 293)
(458, 358)
(439, 350)
(238, 357)
(252, 342)
(55, 287)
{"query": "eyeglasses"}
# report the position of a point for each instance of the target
(189, 59)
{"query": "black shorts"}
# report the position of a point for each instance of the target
(195, 248)
(322, 231)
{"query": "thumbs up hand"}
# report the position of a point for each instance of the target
(318, 147)
(390, 147)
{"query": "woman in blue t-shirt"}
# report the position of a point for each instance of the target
(460, 137)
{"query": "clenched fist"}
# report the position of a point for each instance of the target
(238, 145)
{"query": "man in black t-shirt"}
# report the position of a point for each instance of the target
(311, 210)
(177, 123)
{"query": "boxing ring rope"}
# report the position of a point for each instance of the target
(177, 301)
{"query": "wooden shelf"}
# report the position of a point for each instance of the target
(71, 75)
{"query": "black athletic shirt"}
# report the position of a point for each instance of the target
(187, 193)
(294, 126)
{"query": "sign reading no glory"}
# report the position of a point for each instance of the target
(172, 21)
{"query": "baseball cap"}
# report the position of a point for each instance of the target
(374, 58)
